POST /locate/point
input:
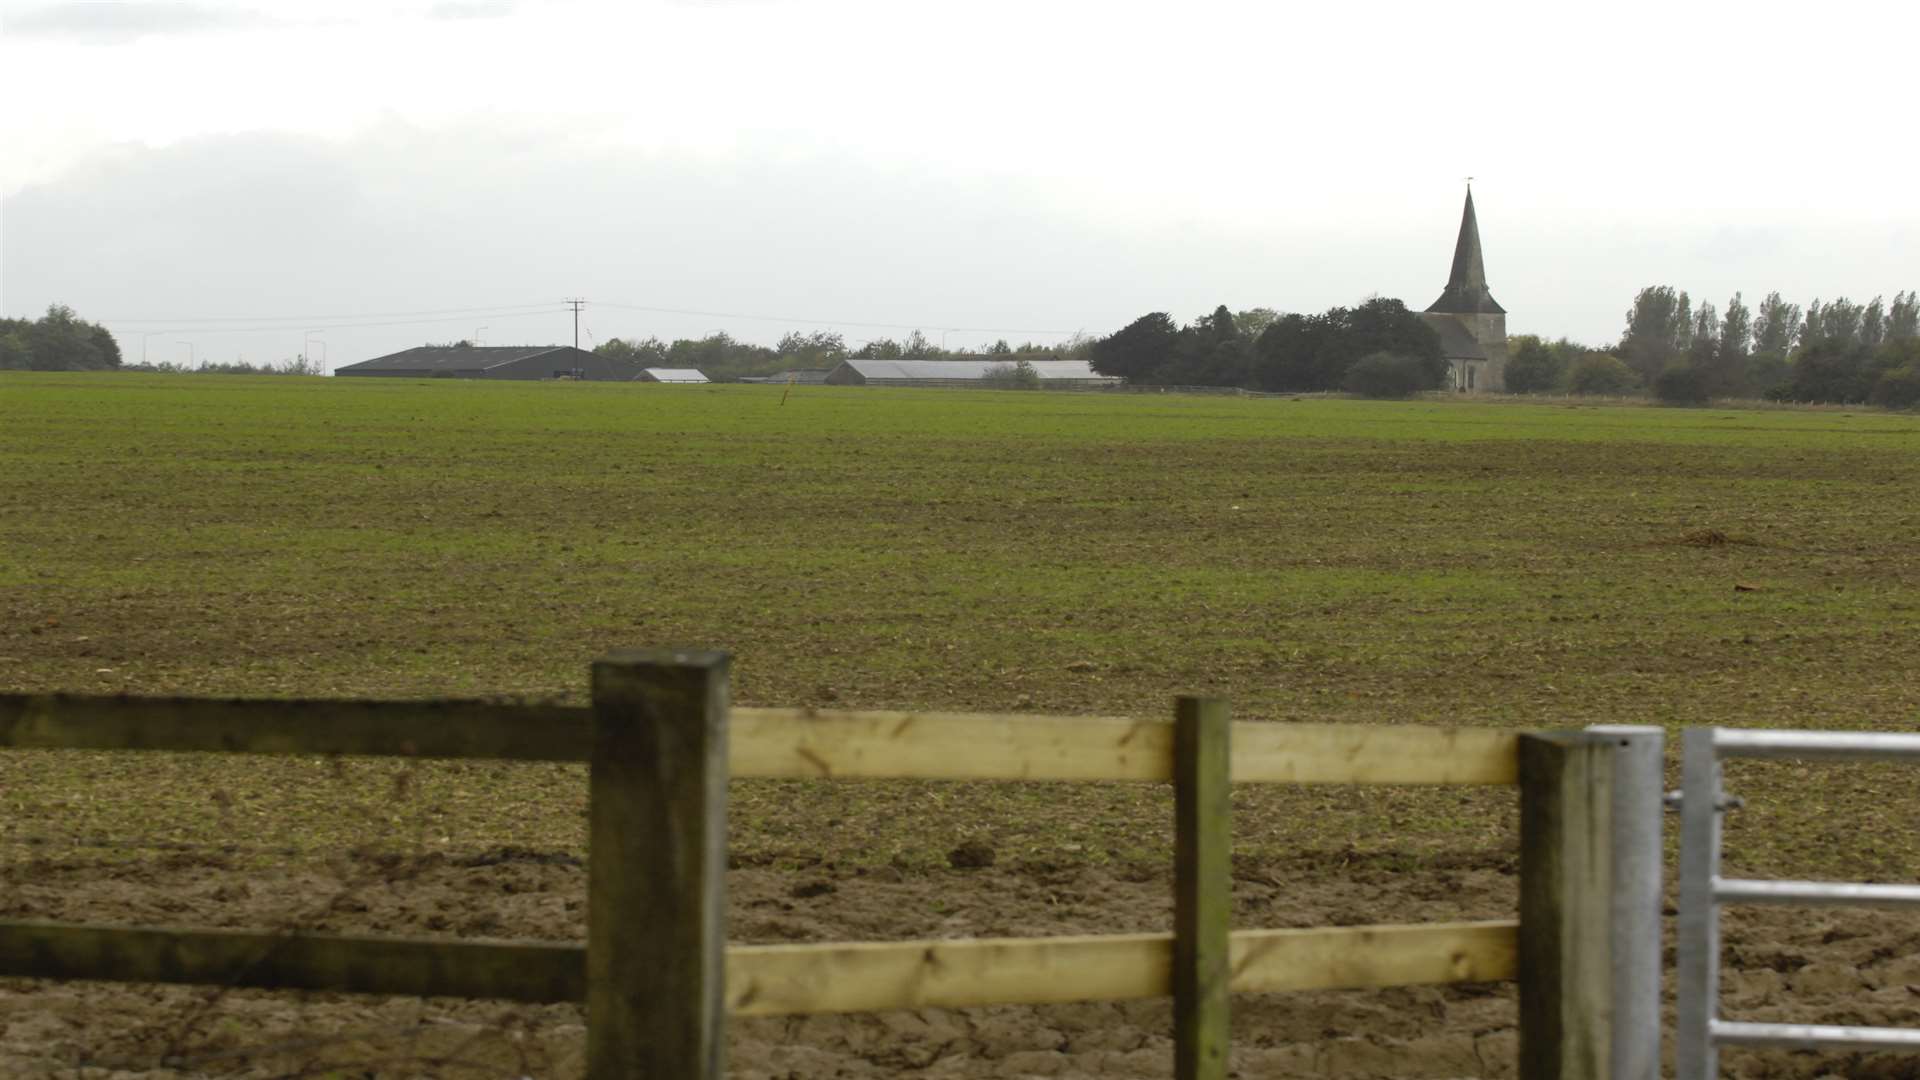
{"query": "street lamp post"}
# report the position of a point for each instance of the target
(308, 339)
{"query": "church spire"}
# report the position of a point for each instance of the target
(1467, 286)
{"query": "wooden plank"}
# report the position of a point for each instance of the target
(768, 742)
(773, 980)
(430, 729)
(656, 871)
(776, 980)
(962, 746)
(513, 971)
(948, 746)
(1566, 891)
(1362, 957)
(1280, 753)
(1202, 887)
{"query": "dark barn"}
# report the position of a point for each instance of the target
(495, 362)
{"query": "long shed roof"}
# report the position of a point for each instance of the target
(968, 369)
(675, 374)
(453, 357)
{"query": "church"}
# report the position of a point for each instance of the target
(1472, 327)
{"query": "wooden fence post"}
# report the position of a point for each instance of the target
(1202, 887)
(656, 874)
(1566, 902)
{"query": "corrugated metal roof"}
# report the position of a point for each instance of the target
(801, 376)
(675, 374)
(968, 369)
(451, 358)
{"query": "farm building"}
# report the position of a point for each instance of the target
(671, 375)
(1054, 374)
(494, 362)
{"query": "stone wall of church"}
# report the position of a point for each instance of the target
(1491, 332)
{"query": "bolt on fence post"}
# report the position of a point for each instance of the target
(657, 859)
(1639, 860)
(1567, 870)
(1202, 887)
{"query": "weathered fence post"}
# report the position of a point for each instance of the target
(1202, 887)
(657, 858)
(1568, 877)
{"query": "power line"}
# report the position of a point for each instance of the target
(264, 324)
(832, 322)
(467, 311)
(282, 329)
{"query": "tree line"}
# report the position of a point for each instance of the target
(1838, 351)
(57, 341)
(1260, 349)
(724, 358)
(1835, 351)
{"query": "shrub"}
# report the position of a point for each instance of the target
(1765, 372)
(1601, 373)
(1020, 376)
(1389, 375)
(1897, 389)
(1534, 367)
(1681, 383)
(1828, 370)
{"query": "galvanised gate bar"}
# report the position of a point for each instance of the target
(1702, 890)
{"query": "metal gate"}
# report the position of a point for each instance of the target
(1702, 890)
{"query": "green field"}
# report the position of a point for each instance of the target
(1328, 560)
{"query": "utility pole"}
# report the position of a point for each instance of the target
(576, 305)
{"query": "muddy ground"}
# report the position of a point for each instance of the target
(1840, 967)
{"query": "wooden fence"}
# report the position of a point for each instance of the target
(656, 974)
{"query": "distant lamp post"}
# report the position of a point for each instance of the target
(190, 352)
(477, 331)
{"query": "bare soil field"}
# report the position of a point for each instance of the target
(1509, 566)
(1851, 967)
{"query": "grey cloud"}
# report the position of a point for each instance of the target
(114, 23)
(402, 220)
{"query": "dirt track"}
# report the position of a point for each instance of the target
(1851, 967)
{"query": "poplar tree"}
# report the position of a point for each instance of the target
(1903, 318)
(1775, 326)
(1736, 329)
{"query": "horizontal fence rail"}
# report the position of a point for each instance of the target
(1820, 1036)
(1830, 893)
(1816, 745)
(790, 743)
(773, 980)
(428, 729)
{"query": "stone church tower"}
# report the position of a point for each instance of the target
(1472, 327)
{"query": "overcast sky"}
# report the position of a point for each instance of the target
(217, 180)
